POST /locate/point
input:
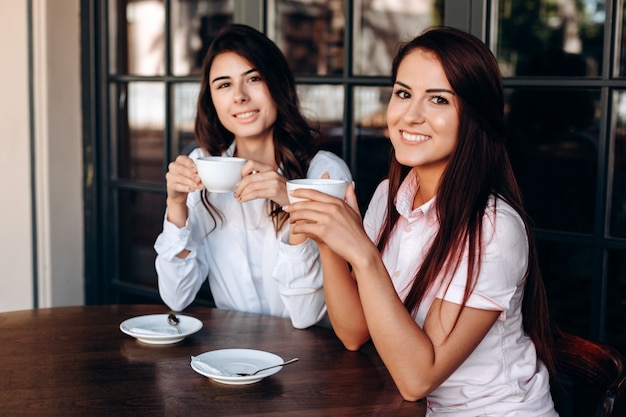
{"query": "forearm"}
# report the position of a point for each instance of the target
(176, 212)
(418, 358)
(179, 281)
(179, 277)
(342, 300)
(403, 346)
(298, 272)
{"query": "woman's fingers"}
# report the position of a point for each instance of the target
(182, 177)
(267, 184)
(336, 224)
(351, 198)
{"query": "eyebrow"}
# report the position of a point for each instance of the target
(430, 90)
(225, 77)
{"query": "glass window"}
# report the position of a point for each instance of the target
(140, 119)
(550, 38)
(372, 144)
(136, 37)
(194, 24)
(553, 144)
(185, 98)
(322, 105)
(139, 226)
(616, 298)
(380, 24)
(618, 181)
(567, 274)
(621, 55)
(310, 34)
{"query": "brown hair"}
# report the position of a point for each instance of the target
(479, 167)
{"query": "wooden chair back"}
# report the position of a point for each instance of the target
(591, 378)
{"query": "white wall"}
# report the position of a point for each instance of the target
(57, 153)
(16, 263)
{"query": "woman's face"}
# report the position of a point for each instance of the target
(241, 98)
(423, 113)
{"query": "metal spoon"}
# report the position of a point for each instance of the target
(269, 367)
(173, 320)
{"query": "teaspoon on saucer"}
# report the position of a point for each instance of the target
(173, 320)
(269, 367)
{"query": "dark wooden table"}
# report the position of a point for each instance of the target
(74, 361)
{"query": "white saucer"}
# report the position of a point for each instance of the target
(155, 330)
(228, 362)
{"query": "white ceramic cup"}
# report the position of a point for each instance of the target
(336, 188)
(220, 174)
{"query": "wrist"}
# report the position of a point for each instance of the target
(176, 213)
(366, 259)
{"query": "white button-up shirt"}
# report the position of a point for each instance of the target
(503, 376)
(248, 266)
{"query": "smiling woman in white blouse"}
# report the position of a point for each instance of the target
(241, 241)
(442, 273)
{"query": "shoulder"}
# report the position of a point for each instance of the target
(376, 210)
(197, 153)
(325, 161)
(381, 191)
(505, 237)
(327, 157)
(502, 219)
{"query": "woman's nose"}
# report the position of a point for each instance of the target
(414, 113)
(240, 95)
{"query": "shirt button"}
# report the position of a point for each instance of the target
(432, 221)
(408, 230)
(396, 274)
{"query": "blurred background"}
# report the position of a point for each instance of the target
(563, 63)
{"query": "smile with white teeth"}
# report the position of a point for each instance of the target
(245, 115)
(414, 138)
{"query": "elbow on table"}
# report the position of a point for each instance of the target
(302, 324)
(175, 304)
(412, 397)
(353, 344)
(413, 391)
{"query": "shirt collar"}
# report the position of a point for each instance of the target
(406, 194)
(231, 150)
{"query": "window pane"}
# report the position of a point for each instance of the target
(618, 195)
(550, 38)
(310, 34)
(140, 128)
(616, 300)
(184, 107)
(621, 39)
(194, 24)
(140, 221)
(372, 145)
(136, 36)
(553, 145)
(380, 24)
(322, 105)
(567, 276)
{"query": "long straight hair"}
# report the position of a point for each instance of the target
(294, 142)
(479, 168)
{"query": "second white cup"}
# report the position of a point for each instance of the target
(336, 188)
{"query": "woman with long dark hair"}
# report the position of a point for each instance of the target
(248, 108)
(442, 273)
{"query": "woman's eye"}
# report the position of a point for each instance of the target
(254, 78)
(223, 85)
(402, 94)
(439, 100)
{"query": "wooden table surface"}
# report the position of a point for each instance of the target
(75, 361)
